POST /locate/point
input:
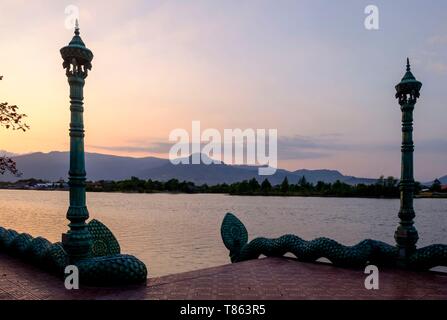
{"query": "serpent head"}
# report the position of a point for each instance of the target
(234, 235)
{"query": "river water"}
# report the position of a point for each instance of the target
(176, 233)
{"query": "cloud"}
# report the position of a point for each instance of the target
(155, 148)
(436, 145)
(289, 148)
(437, 40)
(297, 147)
(434, 54)
(438, 67)
(303, 147)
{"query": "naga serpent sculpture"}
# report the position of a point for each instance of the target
(235, 238)
(105, 266)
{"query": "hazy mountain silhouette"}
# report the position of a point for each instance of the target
(443, 180)
(54, 165)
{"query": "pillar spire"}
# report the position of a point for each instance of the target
(77, 27)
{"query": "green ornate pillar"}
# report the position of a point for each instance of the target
(91, 247)
(406, 236)
(367, 252)
(77, 61)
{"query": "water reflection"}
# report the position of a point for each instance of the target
(177, 233)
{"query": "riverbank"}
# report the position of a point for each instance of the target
(425, 195)
(384, 188)
(431, 195)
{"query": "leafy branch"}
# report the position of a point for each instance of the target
(10, 118)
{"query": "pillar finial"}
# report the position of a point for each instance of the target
(77, 27)
(408, 64)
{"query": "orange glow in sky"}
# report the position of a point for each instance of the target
(306, 68)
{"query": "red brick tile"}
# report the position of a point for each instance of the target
(269, 278)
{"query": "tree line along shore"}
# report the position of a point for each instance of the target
(383, 188)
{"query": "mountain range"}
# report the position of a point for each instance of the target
(53, 166)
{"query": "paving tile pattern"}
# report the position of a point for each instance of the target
(269, 278)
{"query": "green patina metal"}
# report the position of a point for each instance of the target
(235, 237)
(104, 267)
(92, 247)
(407, 93)
(404, 254)
(77, 62)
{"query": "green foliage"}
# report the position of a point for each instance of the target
(285, 185)
(254, 185)
(10, 118)
(266, 186)
(383, 188)
(436, 186)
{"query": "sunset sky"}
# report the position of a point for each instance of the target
(307, 68)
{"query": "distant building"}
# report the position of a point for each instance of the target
(48, 185)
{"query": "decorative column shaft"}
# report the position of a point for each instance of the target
(78, 240)
(406, 234)
(77, 61)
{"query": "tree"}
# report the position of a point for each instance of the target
(285, 185)
(254, 185)
(10, 118)
(243, 187)
(380, 181)
(436, 186)
(266, 186)
(172, 185)
(303, 182)
(7, 164)
(341, 189)
(304, 185)
(323, 187)
(391, 182)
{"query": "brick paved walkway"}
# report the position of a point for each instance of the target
(270, 278)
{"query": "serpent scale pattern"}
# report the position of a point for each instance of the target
(235, 238)
(105, 267)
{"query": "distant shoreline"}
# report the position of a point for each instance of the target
(384, 188)
(278, 195)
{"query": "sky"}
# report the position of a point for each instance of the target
(308, 68)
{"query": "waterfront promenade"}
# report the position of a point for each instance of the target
(269, 278)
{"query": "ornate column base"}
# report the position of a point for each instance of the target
(105, 267)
